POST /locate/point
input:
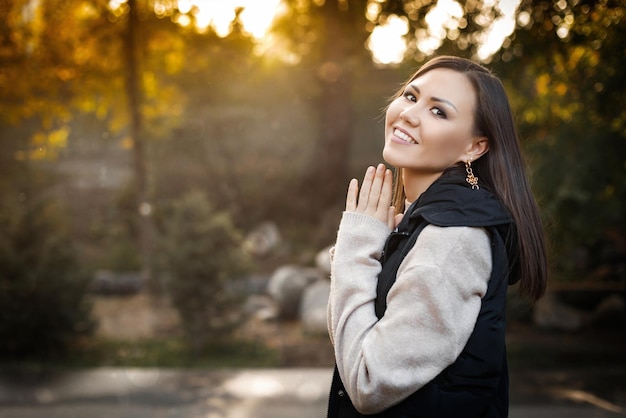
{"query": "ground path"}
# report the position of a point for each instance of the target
(268, 393)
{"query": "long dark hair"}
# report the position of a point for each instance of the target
(501, 169)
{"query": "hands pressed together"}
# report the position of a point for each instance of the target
(374, 198)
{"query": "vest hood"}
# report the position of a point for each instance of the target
(450, 201)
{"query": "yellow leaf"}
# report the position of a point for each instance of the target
(127, 142)
(58, 139)
(542, 84)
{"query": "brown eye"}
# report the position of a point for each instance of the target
(410, 96)
(438, 112)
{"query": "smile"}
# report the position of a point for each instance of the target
(403, 136)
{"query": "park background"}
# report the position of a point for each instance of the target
(162, 161)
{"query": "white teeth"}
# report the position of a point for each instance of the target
(404, 136)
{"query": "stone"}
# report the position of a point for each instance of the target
(287, 285)
(611, 312)
(262, 240)
(260, 307)
(313, 309)
(551, 314)
(322, 260)
(106, 282)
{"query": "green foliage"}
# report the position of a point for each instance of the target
(60, 59)
(203, 256)
(569, 101)
(42, 296)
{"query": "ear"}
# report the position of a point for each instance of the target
(478, 147)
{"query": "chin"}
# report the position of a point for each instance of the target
(390, 157)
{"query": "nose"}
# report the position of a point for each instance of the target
(410, 115)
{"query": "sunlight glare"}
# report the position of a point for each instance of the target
(491, 38)
(386, 41)
(216, 13)
(115, 4)
(184, 6)
(444, 16)
(444, 20)
(256, 17)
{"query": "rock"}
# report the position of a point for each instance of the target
(255, 284)
(322, 260)
(262, 240)
(610, 312)
(551, 314)
(287, 285)
(106, 282)
(314, 307)
(260, 307)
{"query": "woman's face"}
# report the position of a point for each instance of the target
(429, 128)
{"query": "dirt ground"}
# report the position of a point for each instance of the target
(134, 317)
(142, 317)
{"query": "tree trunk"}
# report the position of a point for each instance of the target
(133, 92)
(327, 179)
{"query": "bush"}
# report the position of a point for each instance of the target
(42, 295)
(203, 256)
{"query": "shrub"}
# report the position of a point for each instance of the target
(203, 256)
(42, 295)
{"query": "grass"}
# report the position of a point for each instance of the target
(167, 353)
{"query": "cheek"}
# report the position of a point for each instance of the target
(454, 145)
(393, 111)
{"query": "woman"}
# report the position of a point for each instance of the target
(416, 312)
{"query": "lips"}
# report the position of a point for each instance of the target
(404, 136)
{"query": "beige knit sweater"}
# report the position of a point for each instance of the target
(431, 308)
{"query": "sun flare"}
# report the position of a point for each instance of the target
(256, 15)
(387, 41)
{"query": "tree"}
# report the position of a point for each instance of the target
(570, 100)
(329, 40)
(62, 60)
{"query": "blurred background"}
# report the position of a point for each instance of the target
(172, 173)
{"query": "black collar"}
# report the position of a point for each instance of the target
(450, 201)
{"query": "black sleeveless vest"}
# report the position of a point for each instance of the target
(476, 384)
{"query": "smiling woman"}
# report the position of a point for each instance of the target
(432, 264)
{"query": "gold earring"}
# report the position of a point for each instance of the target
(471, 179)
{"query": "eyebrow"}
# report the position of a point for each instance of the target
(435, 99)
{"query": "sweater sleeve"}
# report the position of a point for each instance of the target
(431, 308)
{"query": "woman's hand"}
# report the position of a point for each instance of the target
(374, 199)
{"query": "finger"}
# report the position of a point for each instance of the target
(384, 195)
(376, 190)
(390, 217)
(365, 188)
(353, 190)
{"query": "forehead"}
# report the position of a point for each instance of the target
(447, 84)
